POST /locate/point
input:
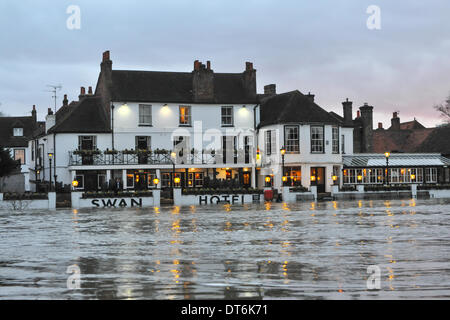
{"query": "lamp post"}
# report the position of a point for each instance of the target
(173, 158)
(50, 156)
(283, 178)
(387, 155)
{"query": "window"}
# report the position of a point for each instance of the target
(87, 142)
(227, 116)
(130, 179)
(18, 132)
(292, 139)
(19, 155)
(335, 140)
(430, 175)
(317, 140)
(343, 144)
(195, 179)
(145, 115)
(150, 178)
(143, 143)
(165, 180)
(101, 179)
(185, 115)
(268, 142)
(80, 179)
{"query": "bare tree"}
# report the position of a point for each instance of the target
(444, 109)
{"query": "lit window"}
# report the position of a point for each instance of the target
(18, 132)
(227, 116)
(19, 155)
(185, 115)
(80, 179)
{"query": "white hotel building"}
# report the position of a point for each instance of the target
(130, 128)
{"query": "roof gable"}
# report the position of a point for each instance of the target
(293, 107)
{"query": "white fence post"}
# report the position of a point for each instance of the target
(52, 200)
(414, 190)
(177, 196)
(156, 197)
(1, 196)
(314, 192)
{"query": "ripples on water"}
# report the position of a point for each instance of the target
(270, 251)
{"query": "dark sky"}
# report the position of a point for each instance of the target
(320, 46)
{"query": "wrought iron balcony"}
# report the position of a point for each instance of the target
(127, 157)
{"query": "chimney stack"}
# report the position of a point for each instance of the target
(380, 125)
(367, 127)
(65, 101)
(203, 82)
(270, 89)
(249, 81)
(348, 113)
(82, 93)
(50, 120)
(310, 97)
(395, 121)
(34, 114)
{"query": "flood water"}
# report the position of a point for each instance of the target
(261, 251)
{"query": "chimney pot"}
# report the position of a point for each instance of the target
(380, 125)
(106, 56)
(310, 97)
(82, 91)
(358, 114)
(208, 65)
(49, 112)
(248, 66)
(90, 91)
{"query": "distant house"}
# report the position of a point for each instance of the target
(14, 135)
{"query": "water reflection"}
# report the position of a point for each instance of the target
(275, 250)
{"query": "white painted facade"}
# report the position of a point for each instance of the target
(271, 165)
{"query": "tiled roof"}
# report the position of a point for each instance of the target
(7, 124)
(88, 116)
(396, 160)
(293, 107)
(158, 86)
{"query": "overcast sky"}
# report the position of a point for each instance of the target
(322, 46)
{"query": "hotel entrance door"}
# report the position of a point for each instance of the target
(319, 174)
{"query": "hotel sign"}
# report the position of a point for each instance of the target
(232, 199)
(117, 202)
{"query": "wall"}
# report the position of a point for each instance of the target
(186, 200)
(116, 202)
(46, 204)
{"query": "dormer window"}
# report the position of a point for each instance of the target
(18, 132)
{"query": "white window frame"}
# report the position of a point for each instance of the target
(335, 140)
(18, 132)
(187, 116)
(292, 145)
(317, 144)
(229, 118)
(145, 115)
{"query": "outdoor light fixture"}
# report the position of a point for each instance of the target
(267, 179)
(156, 181)
(360, 178)
(413, 177)
(75, 183)
(177, 180)
(284, 178)
(313, 178)
(283, 151)
(387, 154)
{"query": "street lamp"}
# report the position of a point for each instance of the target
(50, 157)
(387, 155)
(173, 157)
(283, 152)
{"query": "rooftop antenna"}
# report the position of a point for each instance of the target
(55, 88)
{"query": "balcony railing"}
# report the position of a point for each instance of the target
(126, 157)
